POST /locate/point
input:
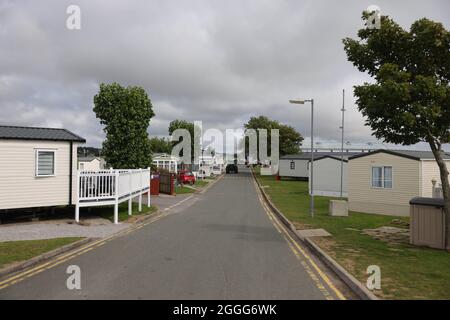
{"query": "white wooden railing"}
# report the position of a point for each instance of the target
(111, 187)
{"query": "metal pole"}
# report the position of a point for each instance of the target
(312, 159)
(203, 159)
(342, 142)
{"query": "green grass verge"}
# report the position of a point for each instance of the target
(198, 184)
(407, 272)
(17, 251)
(202, 183)
(107, 212)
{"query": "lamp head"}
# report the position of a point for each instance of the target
(297, 101)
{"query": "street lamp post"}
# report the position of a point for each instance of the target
(311, 183)
(342, 143)
(202, 162)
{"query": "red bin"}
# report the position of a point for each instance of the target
(154, 185)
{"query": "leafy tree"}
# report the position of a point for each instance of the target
(409, 101)
(189, 126)
(89, 151)
(125, 114)
(290, 140)
(160, 145)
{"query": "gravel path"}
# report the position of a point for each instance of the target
(54, 229)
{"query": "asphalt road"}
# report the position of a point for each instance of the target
(217, 245)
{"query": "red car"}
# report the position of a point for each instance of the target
(186, 177)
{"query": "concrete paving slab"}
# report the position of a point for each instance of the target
(308, 233)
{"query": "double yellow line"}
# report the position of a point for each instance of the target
(72, 254)
(301, 254)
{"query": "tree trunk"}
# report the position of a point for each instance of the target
(439, 156)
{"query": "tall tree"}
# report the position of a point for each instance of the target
(160, 145)
(409, 101)
(125, 114)
(189, 126)
(290, 140)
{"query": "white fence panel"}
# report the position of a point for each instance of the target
(108, 187)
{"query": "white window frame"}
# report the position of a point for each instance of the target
(292, 165)
(37, 175)
(382, 177)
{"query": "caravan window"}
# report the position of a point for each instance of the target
(382, 177)
(45, 163)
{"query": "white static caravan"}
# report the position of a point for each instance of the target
(327, 176)
(294, 165)
(297, 165)
(384, 181)
(206, 164)
(37, 167)
(91, 163)
(166, 162)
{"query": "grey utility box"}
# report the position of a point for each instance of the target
(427, 225)
(338, 208)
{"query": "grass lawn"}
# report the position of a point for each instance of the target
(407, 272)
(16, 251)
(198, 184)
(107, 212)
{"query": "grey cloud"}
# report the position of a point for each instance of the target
(216, 61)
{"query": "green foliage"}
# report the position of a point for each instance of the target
(290, 139)
(160, 145)
(410, 100)
(181, 124)
(125, 114)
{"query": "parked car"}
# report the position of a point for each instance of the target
(186, 177)
(231, 168)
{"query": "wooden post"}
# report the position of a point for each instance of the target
(77, 203)
(77, 213)
(116, 204)
(130, 201)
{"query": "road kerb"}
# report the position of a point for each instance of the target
(359, 289)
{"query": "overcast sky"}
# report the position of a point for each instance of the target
(215, 61)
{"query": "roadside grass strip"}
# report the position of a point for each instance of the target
(407, 272)
(17, 251)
